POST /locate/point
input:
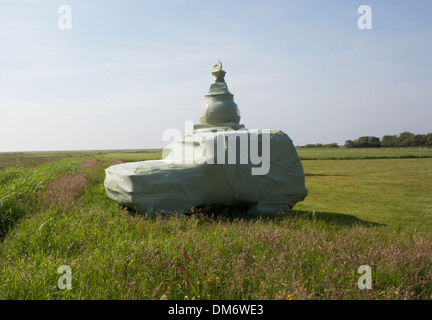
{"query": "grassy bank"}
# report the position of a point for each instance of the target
(19, 188)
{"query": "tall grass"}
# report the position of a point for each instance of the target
(31, 159)
(19, 186)
(114, 253)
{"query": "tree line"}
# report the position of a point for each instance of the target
(320, 145)
(404, 139)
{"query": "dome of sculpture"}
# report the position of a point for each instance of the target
(219, 109)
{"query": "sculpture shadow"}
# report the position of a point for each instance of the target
(230, 212)
(240, 212)
(217, 212)
(334, 218)
(324, 175)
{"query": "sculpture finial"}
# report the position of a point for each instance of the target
(217, 66)
(218, 73)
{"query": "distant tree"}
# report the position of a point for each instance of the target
(389, 141)
(375, 142)
(362, 142)
(419, 140)
(367, 142)
(349, 144)
(429, 140)
(406, 139)
(320, 145)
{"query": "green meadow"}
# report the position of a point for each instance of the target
(365, 207)
(363, 153)
(394, 192)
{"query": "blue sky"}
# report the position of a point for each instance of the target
(128, 70)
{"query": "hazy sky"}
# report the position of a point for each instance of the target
(128, 70)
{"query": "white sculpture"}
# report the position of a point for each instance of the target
(219, 163)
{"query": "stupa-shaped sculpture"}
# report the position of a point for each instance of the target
(221, 162)
(219, 109)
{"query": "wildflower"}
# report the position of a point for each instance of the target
(396, 292)
(185, 256)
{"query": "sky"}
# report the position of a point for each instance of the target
(123, 72)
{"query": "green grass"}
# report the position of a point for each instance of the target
(18, 187)
(362, 153)
(31, 159)
(394, 192)
(360, 212)
(132, 156)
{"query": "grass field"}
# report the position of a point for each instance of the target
(375, 210)
(362, 153)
